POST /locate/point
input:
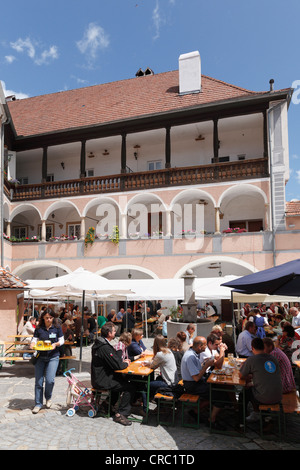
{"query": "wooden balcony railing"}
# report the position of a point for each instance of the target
(203, 174)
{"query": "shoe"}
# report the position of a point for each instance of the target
(36, 409)
(137, 410)
(253, 417)
(122, 420)
(48, 403)
(216, 426)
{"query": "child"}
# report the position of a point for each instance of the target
(122, 345)
(164, 326)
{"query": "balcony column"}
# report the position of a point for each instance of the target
(168, 224)
(217, 221)
(82, 228)
(123, 226)
(8, 229)
(267, 217)
(45, 165)
(82, 159)
(168, 148)
(123, 154)
(43, 231)
(216, 141)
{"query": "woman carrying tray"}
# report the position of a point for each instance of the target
(47, 362)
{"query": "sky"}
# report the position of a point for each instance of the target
(50, 46)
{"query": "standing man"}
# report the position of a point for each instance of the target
(105, 361)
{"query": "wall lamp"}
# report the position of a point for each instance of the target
(63, 165)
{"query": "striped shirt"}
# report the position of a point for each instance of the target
(287, 377)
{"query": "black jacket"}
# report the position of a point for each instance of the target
(105, 360)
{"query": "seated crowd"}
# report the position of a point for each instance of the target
(184, 363)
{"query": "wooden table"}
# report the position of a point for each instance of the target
(141, 374)
(216, 382)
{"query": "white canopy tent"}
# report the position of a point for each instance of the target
(80, 281)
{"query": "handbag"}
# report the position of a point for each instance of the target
(34, 358)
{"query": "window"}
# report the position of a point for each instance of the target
(23, 180)
(50, 178)
(249, 225)
(49, 231)
(90, 172)
(73, 229)
(155, 165)
(20, 232)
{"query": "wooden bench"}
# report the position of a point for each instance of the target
(289, 405)
(65, 361)
(168, 402)
(187, 399)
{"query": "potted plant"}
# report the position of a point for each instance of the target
(115, 235)
(90, 237)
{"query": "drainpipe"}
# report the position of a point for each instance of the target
(269, 111)
(4, 120)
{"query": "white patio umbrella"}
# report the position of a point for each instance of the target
(80, 281)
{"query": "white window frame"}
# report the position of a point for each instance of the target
(155, 165)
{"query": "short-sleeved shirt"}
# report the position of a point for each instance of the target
(265, 370)
(208, 354)
(243, 345)
(190, 365)
(53, 334)
(296, 320)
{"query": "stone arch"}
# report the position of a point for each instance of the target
(207, 263)
(127, 267)
(21, 270)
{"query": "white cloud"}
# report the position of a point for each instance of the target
(157, 20)
(298, 175)
(10, 58)
(24, 45)
(52, 53)
(29, 47)
(94, 39)
(18, 95)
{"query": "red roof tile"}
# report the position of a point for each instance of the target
(293, 208)
(9, 281)
(115, 101)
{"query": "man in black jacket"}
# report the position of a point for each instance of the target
(105, 361)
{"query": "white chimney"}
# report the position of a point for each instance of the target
(189, 73)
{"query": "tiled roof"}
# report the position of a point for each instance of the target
(9, 281)
(292, 208)
(115, 101)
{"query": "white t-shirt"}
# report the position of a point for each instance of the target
(296, 320)
(208, 354)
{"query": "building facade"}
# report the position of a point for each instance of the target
(170, 171)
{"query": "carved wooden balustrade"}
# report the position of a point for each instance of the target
(194, 175)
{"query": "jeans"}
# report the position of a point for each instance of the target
(45, 368)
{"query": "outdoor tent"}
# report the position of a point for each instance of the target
(80, 281)
(281, 280)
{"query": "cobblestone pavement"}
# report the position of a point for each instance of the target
(53, 430)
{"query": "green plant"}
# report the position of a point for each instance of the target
(115, 236)
(90, 237)
(175, 312)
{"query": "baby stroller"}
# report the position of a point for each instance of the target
(78, 395)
